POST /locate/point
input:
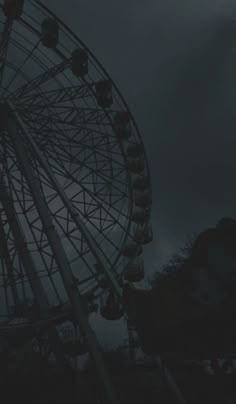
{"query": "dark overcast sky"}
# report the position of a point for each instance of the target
(175, 63)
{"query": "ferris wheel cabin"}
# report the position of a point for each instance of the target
(50, 33)
(79, 62)
(122, 125)
(104, 93)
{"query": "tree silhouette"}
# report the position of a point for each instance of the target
(191, 304)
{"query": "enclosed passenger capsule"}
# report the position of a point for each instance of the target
(79, 62)
(135, 150)
(122, 125)
(143, 199)
(134, 272)
(140, 216)
(13, 8)
(132, 249)
(50, 33)
(140, 183)
(104, 93)
(144, 235)
(136, 166)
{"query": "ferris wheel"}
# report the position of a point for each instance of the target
(75, 191)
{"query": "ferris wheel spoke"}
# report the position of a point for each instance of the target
(102, 142)
(9, 266)
(101, 156)
(20, 242)
(19, 69)
(18, 187)
(98, 254)
(81, 119)
(116, 182)
(21, 75)
(97, 151)
(66, 115)
(53, 97)
(62, 223)
(98, 198)
(39, 237)
(95, 220)
(39, 80)
(106, 207)
(29, 267)
(66, 134)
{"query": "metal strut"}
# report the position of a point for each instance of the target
(61, 258)
(9, 266)
(97, 252)
(14, 123)
(30, 269)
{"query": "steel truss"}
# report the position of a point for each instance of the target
(66, 190)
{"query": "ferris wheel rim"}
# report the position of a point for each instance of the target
(104, 71)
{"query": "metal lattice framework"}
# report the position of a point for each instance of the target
(80, 145)
(75, 193)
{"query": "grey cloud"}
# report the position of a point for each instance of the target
(174, 62)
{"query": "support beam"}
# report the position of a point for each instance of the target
(97, 252)
(9, 266)
(30, 269)
(15, 127)
(40, 79)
